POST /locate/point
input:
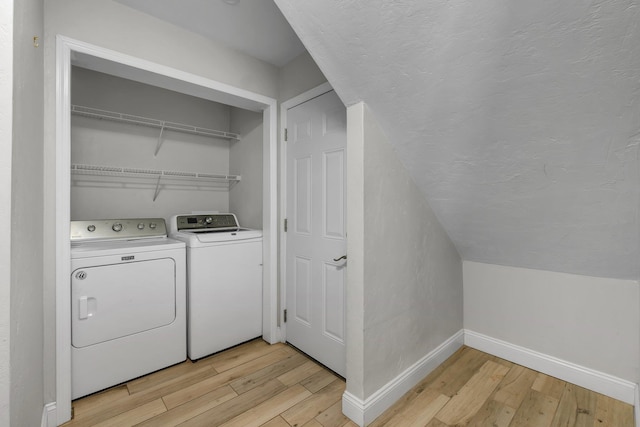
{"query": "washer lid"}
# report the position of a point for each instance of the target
(228, 236)
(193, 237)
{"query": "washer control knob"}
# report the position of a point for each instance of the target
(208, 220)
(116, 227)
(141, 226)
(91, 228)
(152, 225)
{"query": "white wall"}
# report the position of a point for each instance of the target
(27, 322)
(101, 142)
(114, 26)
(245, 159)
(409, 275)
(518, 120)
(589, 321)
(6, 113)
(118, 27)
(412, 274)
(355, 291)
(298, 76)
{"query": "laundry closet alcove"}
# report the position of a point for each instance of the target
(137, 87)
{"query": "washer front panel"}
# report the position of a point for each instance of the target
(225, 296)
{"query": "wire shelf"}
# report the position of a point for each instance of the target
(158, 177)
(145, 121)
(79, 169)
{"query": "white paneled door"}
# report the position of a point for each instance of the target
(316, 229)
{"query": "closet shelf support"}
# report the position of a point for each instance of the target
(155, 194)
(159, 144)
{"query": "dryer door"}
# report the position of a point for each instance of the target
(113, 301)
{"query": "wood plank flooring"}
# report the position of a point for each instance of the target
(472, 388)
(257, 384)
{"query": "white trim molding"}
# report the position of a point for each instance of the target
(364, 412)
(584, 377)
(636, 405)
(49, 416)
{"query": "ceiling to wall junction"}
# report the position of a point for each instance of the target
(254, 27)
(520, 121)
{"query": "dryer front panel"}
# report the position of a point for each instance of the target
(117, 300)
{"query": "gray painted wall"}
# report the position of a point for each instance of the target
(102, 142)
(6, 113)
(27, 397)
(355, 251)
(245, 158)
(410, 275)
(589, 321)
(519, 121)
(117, 27)
(298, 76)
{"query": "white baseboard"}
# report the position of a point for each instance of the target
(49, 418)
(353, 408)
(364, 412)
(636, 405)
(584, 377)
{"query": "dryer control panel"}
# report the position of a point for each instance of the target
(219, 222)
(117, 229)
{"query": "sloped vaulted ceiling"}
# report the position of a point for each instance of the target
(520, 120)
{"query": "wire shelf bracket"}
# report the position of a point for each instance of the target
(155, 193)
(159, 144)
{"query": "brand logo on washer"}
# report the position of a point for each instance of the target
(127, 258)
(81, 275)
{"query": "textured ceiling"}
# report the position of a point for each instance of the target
(520, 120)
(254, 27)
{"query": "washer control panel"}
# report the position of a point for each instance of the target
(216, 221)
(111, 229)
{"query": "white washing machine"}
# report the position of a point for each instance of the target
(128, 301)
(224, 281)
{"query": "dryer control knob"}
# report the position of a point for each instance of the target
(116, 227)
(152, 225)
(141, 226)
(91, 228)
(208, 220)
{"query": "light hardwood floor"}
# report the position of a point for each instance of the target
(256, 384)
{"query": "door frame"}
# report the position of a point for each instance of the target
(297, 100)
(71, 52)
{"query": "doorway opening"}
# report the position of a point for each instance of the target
(313, 246)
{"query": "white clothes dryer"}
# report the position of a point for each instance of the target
(128, 301)
(224, 281)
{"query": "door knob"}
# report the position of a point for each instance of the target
(341, 258)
